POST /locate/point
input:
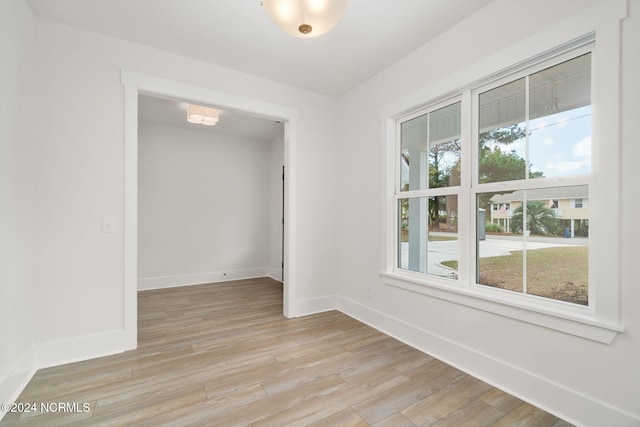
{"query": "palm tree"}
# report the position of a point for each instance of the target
(540, 219)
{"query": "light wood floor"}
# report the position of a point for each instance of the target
(223, 355)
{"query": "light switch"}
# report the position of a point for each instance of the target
(108, 225)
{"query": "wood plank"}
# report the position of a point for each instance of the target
(526, 415)
(475, 414)
(444, 402)
(223, 354)
(346, 418)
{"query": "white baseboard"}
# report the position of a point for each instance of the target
(160, 282)
(54, 353)
(12, 384)
(275, 274)
(567, 404)
(310, 306)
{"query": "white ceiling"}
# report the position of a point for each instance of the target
(237, 34)
(174, 113)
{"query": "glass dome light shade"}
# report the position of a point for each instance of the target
(305, 18)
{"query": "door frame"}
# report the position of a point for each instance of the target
(137, 83)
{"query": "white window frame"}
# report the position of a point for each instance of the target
(426, 192)
(583, 46)
(583, 203)
(600, 320)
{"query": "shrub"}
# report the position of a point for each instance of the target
(493, 228)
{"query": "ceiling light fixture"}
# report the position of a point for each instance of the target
(305, 18)
(202, 115)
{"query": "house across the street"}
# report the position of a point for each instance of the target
(569, 204)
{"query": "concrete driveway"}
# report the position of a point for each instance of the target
(492, 246)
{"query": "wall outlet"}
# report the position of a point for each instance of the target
(369, 290)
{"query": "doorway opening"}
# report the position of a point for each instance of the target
(209, 197)
(136, 84)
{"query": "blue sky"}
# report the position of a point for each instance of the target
(559, 144)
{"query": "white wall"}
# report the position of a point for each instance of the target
(585, 381)
(80, 172)
(76, 166)
(17, 190)
(204, 206)
(276, 153)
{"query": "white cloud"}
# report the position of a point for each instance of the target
(582, 148)
(564, 166)
(517, 146)
(548, 141)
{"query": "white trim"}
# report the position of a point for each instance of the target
(498, 302)
(606, 75)
(61, 352)
(389, 208)
(17, 378)
(604, 18)
(275, 274)
(173, 89)
(161, 282)
(310, 306)
(290, 223)
(135, 83)
(565, 403)
(601, 321)
(130, 217)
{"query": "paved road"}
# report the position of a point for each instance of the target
(492, 246)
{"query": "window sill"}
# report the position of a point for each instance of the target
(577, 324)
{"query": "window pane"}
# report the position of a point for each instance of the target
(499, 252)
(428, 235)
(535, 242)
(501, 135)
(430, 152)
(560, 119)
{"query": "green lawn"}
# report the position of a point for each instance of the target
(560, 273)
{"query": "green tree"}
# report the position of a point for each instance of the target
(540, 219)
(444, 164)
(444, 171)
(506, 135)
(496, 165)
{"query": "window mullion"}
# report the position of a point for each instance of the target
(526, 126)
(466, 205)
(491, 111)
(526, 177)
